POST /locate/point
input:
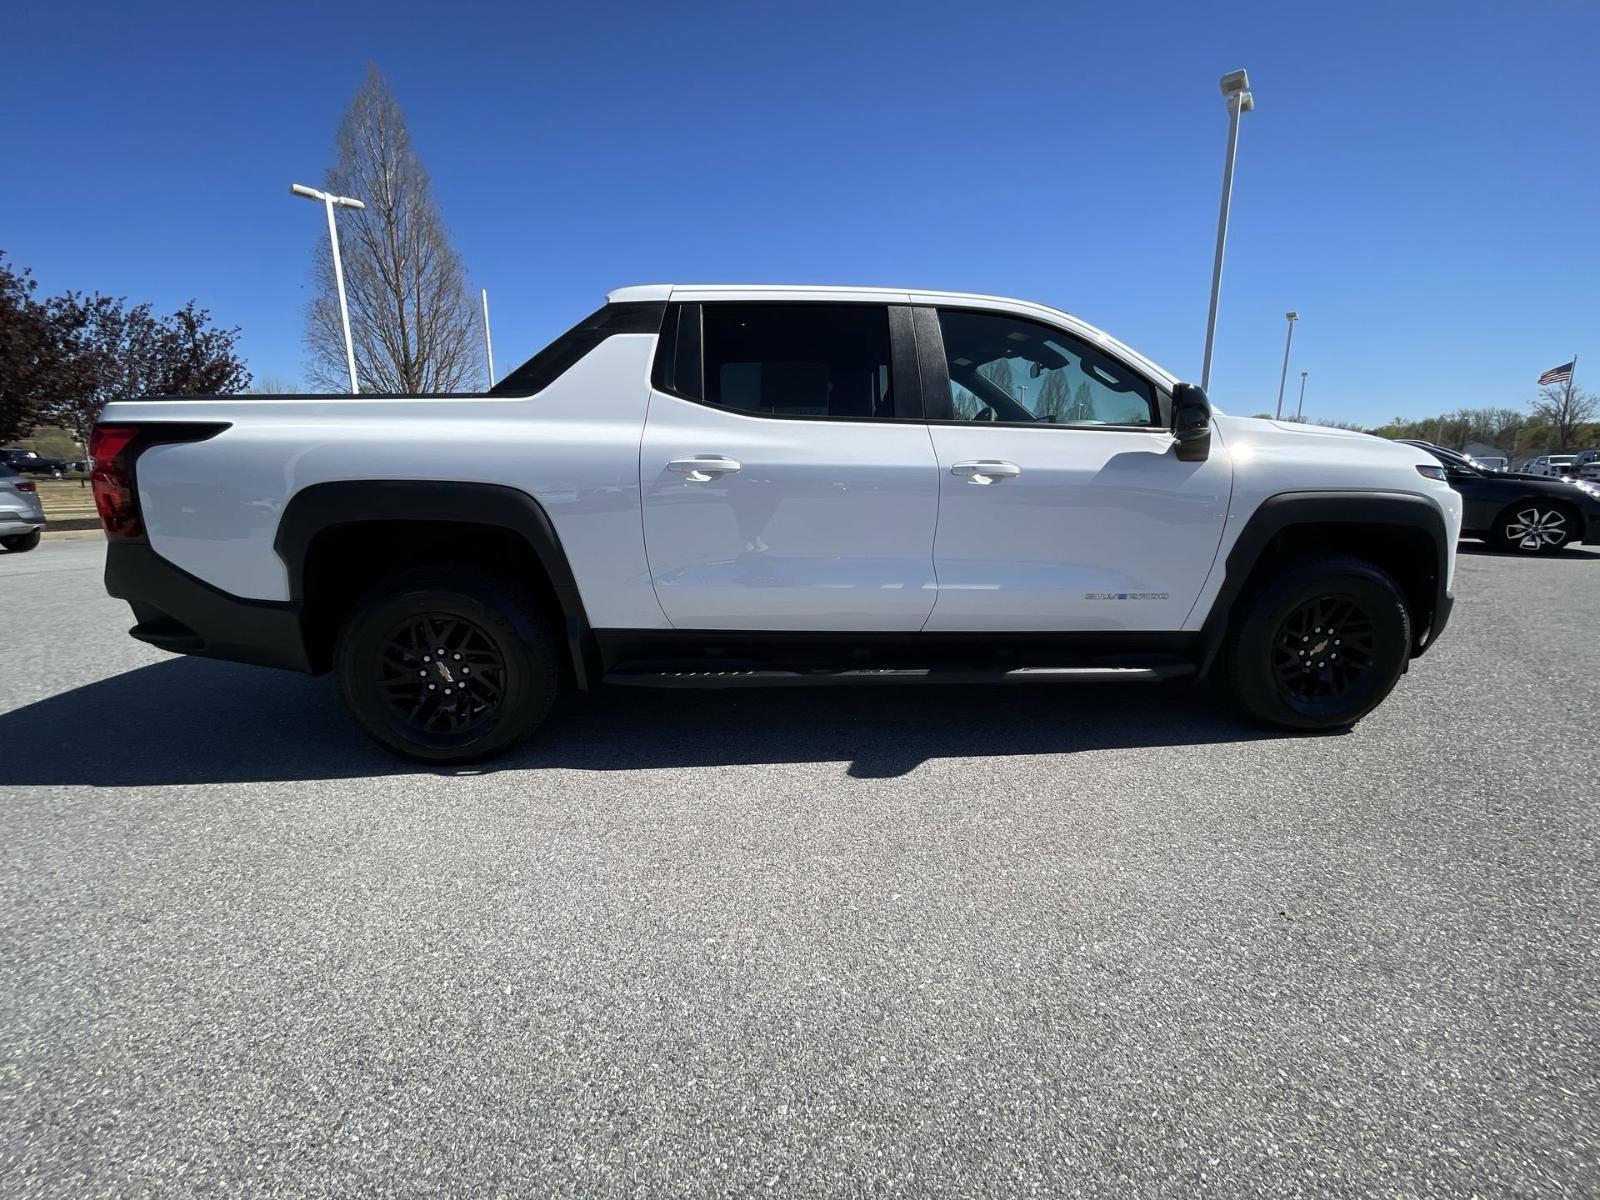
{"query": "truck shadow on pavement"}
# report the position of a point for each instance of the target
(190, 721)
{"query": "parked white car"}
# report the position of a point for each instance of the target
(1554, 466)
(718, 486)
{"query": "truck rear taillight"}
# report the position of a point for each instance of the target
(113, 450)
(25, 485)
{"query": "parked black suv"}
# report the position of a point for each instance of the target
(30, 462)
(1525, 514)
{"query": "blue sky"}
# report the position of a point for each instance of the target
(1420, 181)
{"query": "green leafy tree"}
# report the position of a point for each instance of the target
(29, 352)
(111, 351)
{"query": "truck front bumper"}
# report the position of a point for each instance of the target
(1442, 608)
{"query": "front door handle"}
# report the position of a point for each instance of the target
(986, 470)
(703, 467)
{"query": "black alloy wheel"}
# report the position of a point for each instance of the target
(441, 674)
(1323, 651)
(1317, 645)
(447, 664)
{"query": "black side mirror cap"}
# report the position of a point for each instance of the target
(1191, 422)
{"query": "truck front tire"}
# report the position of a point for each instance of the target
(1319, 646)
(446, 665)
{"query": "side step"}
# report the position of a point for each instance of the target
(822, 678)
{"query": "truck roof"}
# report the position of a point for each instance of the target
(649, 292)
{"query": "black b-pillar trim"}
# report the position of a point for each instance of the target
(931, 366)
(905, 375)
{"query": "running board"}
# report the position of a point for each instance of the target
(755, 678)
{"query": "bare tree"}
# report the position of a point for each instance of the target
(273, 385)
(412, 321)
(1564, 409)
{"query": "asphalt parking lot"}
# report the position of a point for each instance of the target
(908, 942)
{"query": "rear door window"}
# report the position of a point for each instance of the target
(823, 361)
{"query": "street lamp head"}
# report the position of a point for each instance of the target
(1303, 374)
(1293, 316)
(300, 189)
(1235, 82)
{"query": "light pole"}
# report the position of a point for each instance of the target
(1236, 87)
(488, 345)
(1287, 342)
(330, 202)
(1300, 412)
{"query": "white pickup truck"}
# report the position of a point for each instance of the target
(718, 486)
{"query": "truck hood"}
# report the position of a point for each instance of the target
(1313, 444)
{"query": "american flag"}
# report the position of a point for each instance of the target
(1557, 374)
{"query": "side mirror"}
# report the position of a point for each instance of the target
(1191, 423)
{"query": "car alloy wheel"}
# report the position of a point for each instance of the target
(440, 673)
(1323, 650)
(1534, 529)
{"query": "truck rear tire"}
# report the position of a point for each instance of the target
(446, 664)
(1319, 646)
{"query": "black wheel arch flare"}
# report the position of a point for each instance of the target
(324, 506)
(1286, 511)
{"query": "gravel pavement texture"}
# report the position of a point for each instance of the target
(919, 942)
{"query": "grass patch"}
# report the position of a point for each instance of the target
(66, 500)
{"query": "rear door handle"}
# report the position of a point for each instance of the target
(703, 467)
(986, 470)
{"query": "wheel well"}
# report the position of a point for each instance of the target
(1406, 552)
(344, 561)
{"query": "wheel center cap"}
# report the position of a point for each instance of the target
(444, 672)
(1319, 647)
